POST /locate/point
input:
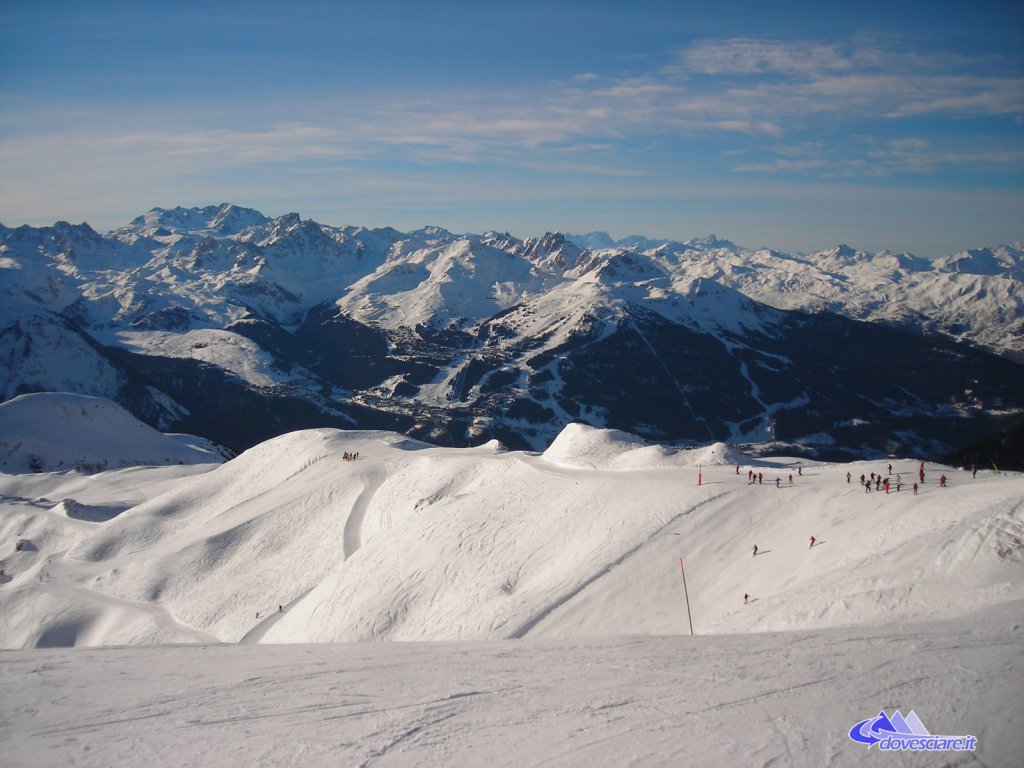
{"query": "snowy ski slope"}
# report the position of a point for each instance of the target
(413, 542)
(908, 601)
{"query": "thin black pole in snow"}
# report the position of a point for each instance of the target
(687, 595)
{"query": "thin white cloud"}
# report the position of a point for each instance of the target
(752, 104)
(749, 56)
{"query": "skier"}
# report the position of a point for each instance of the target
(886, 484)
(776, 482)
(890, 469)
(974, 471)
(812, 543)
(280, 609)
(915, 489)
(746, 597)
(800, 471)
(867, 486)
(921, 473)
(760, 478)
(847, 478)
(737, 469)
(790, 478)
(755, 550)
(942, 481)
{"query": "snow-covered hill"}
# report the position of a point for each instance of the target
(60, 431)
(567, 563)
(414, 542)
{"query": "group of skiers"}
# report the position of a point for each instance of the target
(757, 478)
(346, 456)
(885, 483)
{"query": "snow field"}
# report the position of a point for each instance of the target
(566, 563)
(756, 700)
(412, 542)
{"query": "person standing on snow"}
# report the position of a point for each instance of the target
(755, 550)
(746, 597)
(812, 543)
(942, 481)
(847, 478)
(915, 489)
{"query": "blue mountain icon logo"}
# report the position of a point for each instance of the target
(874, 729)
(894, 733)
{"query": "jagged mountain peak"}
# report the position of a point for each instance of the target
(640, 243)
(592, 240)
(222, 219)
(843, 251)
(552, 252)
(712, 242)
(432, 233)
(1000, 260)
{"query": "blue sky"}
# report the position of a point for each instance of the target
(791, 125)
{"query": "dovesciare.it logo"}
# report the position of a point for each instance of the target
(906, 734)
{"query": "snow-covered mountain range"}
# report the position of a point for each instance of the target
(226, 323)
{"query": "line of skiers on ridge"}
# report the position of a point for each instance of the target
(346, 456)
(881, 483)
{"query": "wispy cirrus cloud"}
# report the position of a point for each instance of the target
(795, 109)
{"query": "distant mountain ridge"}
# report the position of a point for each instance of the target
(223, 322)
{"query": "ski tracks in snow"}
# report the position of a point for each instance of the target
(54, 579)
(538, 617)
(373, 479)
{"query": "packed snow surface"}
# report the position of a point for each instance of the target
(782, 699)
(568, 562)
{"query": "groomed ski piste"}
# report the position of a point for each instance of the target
(421, 605)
